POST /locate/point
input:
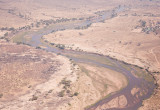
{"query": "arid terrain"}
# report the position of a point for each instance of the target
(40, 69)
(29, 75)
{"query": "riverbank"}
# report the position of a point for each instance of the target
(30, 77)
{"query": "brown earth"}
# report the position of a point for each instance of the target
(23, 69)
(29, 75)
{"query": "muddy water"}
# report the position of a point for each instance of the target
(144, 83)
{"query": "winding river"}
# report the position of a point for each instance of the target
(144, 82)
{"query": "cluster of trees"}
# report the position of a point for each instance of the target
(37, 24)
(151, 27)
(66, 88)
(7, 29)
(51, 21)
(83, 27)
(19, 14)
(12, 29)
(100, 13)
(151, 15)
(142, 23)
(146, 14)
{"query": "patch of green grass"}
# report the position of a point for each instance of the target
(125, 66)
(83, 69)
(106, 85)
(20, 37)
(101, 59)
(140, 73)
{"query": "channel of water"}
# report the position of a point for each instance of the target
(134, 101)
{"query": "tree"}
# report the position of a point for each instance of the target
(6, 34)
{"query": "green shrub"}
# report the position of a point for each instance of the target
(60, 46)
(76, 94)
(38, 47)
(61, 94)
(1, 95)
(34, 98)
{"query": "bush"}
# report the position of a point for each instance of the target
(61, 94)
(68, 91)
(50, 91)
(38, 47)
(66, 83)
(60, 46)
(142, 23)
(34, 98)
(1, 95)
(76, 94)
(6, 34)
(52, 43)
(11, 29)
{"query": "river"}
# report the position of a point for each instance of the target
(144, 82)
